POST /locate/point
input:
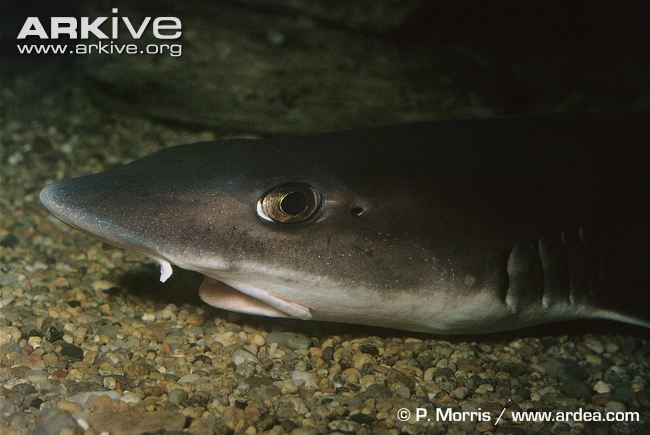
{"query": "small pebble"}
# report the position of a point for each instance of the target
(602, 387)
(35, 342)
(288, 387)
(195, 320)
(624, 393)
(595, 345)
(484, 388)
(362, 418)
(65, 405)
(190, 378)
(361, 360)
(402, 392)
(6, 407)
(459, 393)
(615, 407)
(102, 285)
(9, 334)
(302, 376)
(601, 399)
(350, 376)
(258, 340)
(177, 396)
(109, 382)
(130, 398)
(242, 356)
(37, 377)
(345, 426)
(72, 352)
(9, 241)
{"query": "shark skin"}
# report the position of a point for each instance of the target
(450, 227)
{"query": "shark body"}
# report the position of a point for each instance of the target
(444, 227)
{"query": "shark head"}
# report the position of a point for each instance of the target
(282, 228)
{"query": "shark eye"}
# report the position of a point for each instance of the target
(288, 203)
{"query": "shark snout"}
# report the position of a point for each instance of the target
(57, 200)
(85, 204)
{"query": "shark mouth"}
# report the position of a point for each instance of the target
(221, 295)
(250, 300)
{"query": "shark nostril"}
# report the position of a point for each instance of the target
(356, 211)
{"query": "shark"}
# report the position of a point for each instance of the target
(444, 227)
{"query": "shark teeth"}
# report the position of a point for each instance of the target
(165, 269)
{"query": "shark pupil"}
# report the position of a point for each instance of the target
(288, 203)
(294, 203)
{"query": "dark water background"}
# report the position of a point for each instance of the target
(288, 67)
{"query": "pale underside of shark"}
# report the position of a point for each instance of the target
(444, 227)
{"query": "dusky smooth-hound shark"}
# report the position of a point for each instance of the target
(467, 226)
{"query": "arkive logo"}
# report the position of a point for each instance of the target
(113, 35)
(101, 27)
